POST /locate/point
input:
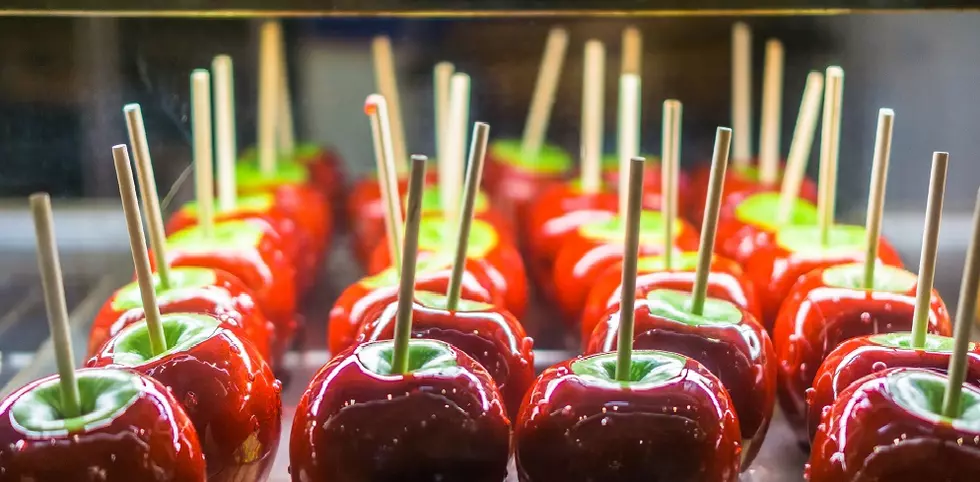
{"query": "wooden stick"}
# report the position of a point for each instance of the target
(54, 302)
(631, 250)
(709, 227)
(478, 151)
(377, 110)
(137, 244)
(406, 287)
(669, 166)
(442, 74)
(632, 62)
(270, 38)
(799, 148)
(593, 94)
(876, 194)
(772, 113)
(224, 116)
(387, 84)
(829, 151)
(628, 139)
(451, 168)
(203, 160)
(148, 186)
(741, 95)
(930, 249)
(965, 309)
(543, 98)
(285, 131)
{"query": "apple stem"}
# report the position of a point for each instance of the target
(628, 133)
(669, 165)
(410, 249)
(387, 85)
(709, 227)
(451, 167)
(543, 98)
(442, 75)
(376, 108)
(54, 302)
(965, 310)
(741, 95)
(593, 87)
(930, 243)
(829, 152)
(203, 160)
(148, 186)
(270, 39)
(478, 151)
(630, 257)
(224, 123)
(772, 105)
(799, 147)
(876, 194)
(137, 243)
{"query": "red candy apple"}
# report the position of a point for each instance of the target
(514, 182)
(738, 184)
(749, 220)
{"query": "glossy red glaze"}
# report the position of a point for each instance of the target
(513, 190)
(737, 240)
(353, 425)
(575, 428)
(581, 260)
(725, 281)
(816, 318)
(859, 357)
(491, 336)
(652, 182)
(504, 266)
(230, 395)
(227, 300)
(365, 210)
(363, 300)
(740, 355)
(869, 437)
(265, 271)
(152, 441)
(326, 174)
(774, 270)
(737, 185)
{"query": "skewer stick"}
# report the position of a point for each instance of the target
(406, 287)
(964, 316)
(829, 152)
(377, 110)
(741, 95)
(772, 105)
(224, 116)
(632, 62)
(669, 165)
(478, 151)
(799, 148)
(148, 186)
(387, 84)
(137, 244)
(709, 227)
(203, 160)
(441, 74)
(930, 249)
(543, 98)
(630, 257)
(451, 167)
(628, 139)
(54, 302)
(270, 38)
(593, 88)
(285, 131)
(876, 195)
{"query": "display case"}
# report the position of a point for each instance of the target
(67, 68)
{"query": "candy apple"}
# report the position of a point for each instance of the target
(738, 184)
(829, 306)
(725, 339)
(652, 179)
(365, 209)
(359, 420)
(325, 168)
(222, 383)
(888, 426)
(488, 334)
(859, 357)
(672, 420)
(748, 221)
(192, 290)
(131, 428)
(514, 182)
